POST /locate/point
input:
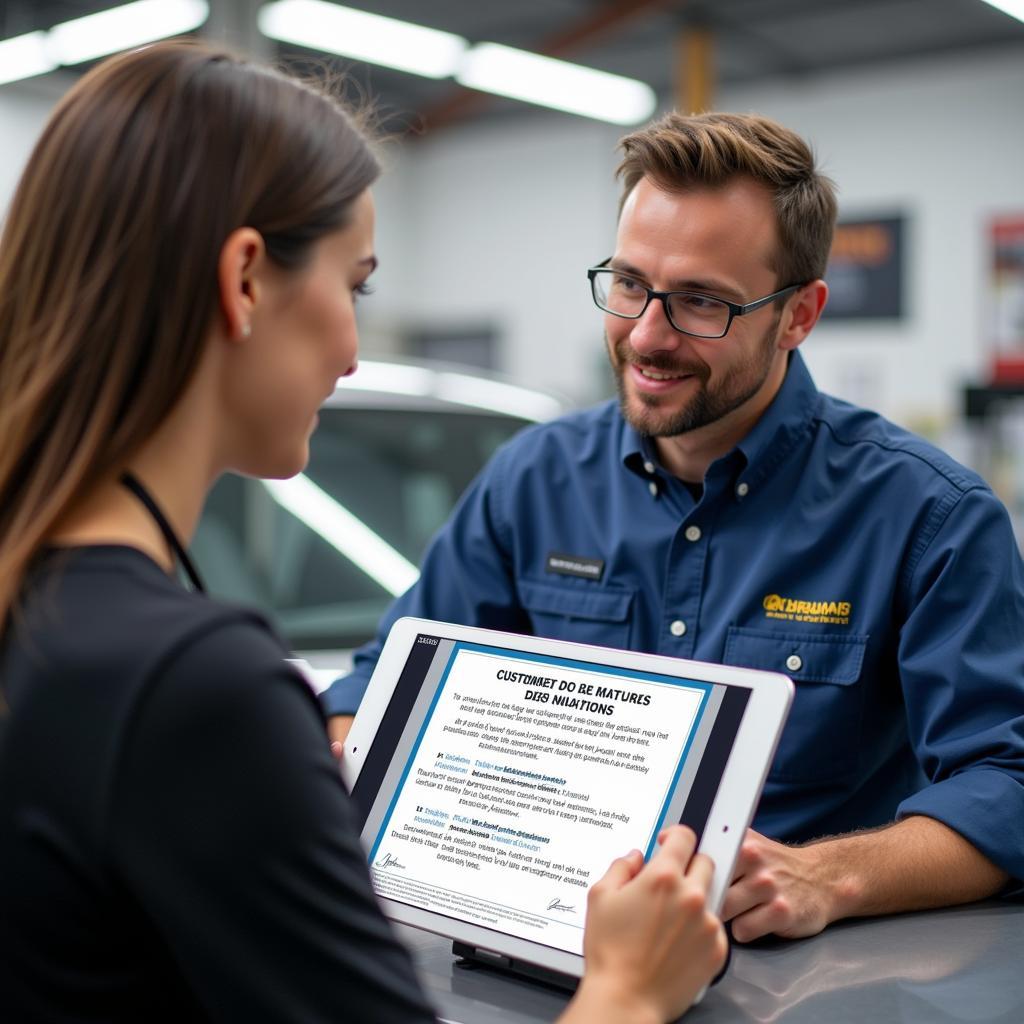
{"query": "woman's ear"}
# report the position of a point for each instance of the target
(242, 262)
(802, 313)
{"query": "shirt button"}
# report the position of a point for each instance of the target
(648, 467)
(692, 533)
(742, 490)
(794, 663)
(653, 488)
(678, 628)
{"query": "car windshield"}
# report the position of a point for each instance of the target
(289, 548)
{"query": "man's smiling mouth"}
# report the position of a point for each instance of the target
(657, 375)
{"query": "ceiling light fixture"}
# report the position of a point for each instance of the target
(24, 57)
(121, 28)
(488, 67)
(1014, 8)
(363, 36)
(575, 89)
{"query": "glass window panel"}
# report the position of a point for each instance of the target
(398, 470)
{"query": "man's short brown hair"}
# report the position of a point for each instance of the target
(679, 153)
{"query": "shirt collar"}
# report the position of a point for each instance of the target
(780, 427)
(785, 421)
(635, 449)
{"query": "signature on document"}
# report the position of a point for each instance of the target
(557, 905)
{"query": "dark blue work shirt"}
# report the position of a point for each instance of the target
(829, 545)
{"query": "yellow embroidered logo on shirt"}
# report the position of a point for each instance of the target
(834, 613)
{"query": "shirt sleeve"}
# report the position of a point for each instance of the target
(961, 655)
(230, 826)
(466, 577)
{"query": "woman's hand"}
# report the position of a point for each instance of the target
(650, 943)
(338, 727)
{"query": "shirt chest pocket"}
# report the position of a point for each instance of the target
(821, 739)
(587, 614)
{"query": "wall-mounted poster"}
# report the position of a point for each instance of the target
(1006, 298)
(865, 270)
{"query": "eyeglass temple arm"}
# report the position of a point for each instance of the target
(758, 303)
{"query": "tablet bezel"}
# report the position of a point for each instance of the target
(732, 810)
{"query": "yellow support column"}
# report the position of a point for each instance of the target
(694, 71)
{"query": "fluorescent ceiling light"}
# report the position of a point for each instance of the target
(24, 57)
(573, 88)
(1014, 8)
(121, 28)
(346, 533)
(363, 36)
(517, 74)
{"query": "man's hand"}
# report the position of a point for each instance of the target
(780, 890)
(338, 727)
(795, 891)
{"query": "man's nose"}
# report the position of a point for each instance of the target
(652, 332)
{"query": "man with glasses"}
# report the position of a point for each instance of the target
(723, 509)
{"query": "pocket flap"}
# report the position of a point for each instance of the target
(604, 604)
(823, 657)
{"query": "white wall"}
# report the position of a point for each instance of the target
(499, 225)
(24, 107)
(942, 140)
(497, 222)
(500, 220)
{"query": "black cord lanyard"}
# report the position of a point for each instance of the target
(132, 483)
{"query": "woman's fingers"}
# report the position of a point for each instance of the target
(621, 871)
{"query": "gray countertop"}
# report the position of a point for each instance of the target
(959, 964)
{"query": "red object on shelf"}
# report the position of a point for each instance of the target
(1006, 298)
(1008, 370)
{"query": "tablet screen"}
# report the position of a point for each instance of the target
(501, 784)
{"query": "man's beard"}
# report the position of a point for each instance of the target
(658, 416)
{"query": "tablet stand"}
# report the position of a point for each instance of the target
(472, 957)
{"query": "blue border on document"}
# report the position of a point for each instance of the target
(587, 666)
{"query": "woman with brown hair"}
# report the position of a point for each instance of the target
(178, 275)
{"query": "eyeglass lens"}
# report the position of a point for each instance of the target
(696, 314)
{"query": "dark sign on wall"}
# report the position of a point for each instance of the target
(865, 270)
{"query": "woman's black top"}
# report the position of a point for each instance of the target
(175, 840)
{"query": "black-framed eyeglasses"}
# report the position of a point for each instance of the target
(702, 316)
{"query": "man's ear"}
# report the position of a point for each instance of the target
(243, 258)
(801, 314)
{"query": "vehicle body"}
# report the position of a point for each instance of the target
(324, 554)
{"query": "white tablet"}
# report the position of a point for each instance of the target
(498, 776)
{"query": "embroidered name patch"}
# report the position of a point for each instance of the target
(575, 565)
(833, 613)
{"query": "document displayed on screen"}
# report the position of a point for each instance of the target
(522, 777)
